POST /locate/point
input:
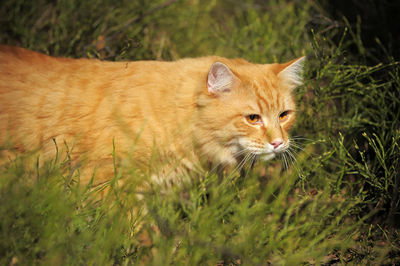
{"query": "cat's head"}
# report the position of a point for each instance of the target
(248, 109)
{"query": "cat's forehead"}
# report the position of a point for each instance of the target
(269, 96)
(265, 94)
(261, 72)
(262, 77)
(260, 87)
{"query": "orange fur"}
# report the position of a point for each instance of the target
(150, 109)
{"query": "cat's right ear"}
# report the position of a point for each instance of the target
(290, 73)
(220, 79)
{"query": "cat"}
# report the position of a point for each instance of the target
(162, 116)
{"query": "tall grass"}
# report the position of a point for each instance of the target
(338, 203)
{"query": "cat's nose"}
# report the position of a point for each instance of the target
(276, 143)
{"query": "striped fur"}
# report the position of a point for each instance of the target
(153, 111)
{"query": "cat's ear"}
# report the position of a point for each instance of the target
(220, 79)
(291, 72)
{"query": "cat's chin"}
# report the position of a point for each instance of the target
(268, 156)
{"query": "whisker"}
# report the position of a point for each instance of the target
(292, 150)
(236, 154)
(302, 138)
(252, 159)
(294, 162)
(242, 163)
(295, 142)
(282, 156)
(295, 145)
(286, 162)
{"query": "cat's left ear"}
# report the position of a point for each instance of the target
(220, 79)
(291, 72)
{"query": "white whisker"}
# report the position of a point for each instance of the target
(285, 161)
(252, 159)
(294, 162)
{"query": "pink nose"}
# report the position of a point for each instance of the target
(276, 143)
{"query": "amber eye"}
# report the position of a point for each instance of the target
(283, 116)
(253, 119)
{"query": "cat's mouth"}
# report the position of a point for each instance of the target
(266, 155)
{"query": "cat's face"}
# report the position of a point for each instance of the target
(264, 116)
(253, 108)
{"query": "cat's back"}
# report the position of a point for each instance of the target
(27, 75)
(20, 60)
(10, 53)
(44, 97)
(22, 70)
(39, 94)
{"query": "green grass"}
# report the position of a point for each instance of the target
(339, 202)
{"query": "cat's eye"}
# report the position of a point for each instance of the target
(283, 116)
(253, 119)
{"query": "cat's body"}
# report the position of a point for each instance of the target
(178, 112)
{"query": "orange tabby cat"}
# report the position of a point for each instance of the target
(174, 114)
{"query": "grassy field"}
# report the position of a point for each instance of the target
(337, 203)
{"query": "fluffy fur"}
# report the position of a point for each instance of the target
(177, 113)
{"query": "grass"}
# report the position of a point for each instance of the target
(337, 203)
